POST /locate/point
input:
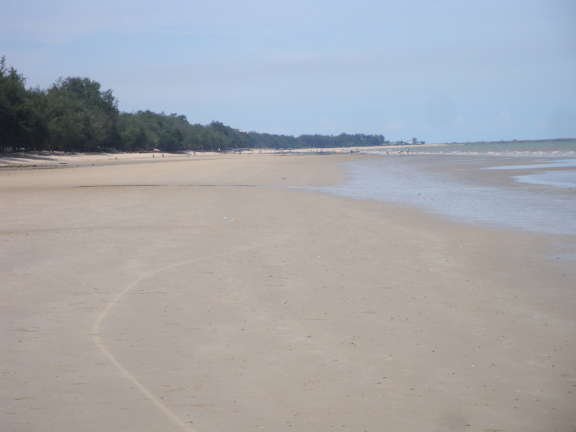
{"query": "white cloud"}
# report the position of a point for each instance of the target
(365, 65)
(504, 117)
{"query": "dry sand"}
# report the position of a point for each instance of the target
(200, 294)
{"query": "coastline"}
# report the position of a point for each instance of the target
(248, 304)
(497, 192)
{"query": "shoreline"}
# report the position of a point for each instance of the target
(271, 307)
(55, 159)
(473, 190)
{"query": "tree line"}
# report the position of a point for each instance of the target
(76, 115)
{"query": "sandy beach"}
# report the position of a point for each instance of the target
(212, 293)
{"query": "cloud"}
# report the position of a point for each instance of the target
(504, 117)
(394, 126)
(440, 111)
(561, 123)
(367, 65)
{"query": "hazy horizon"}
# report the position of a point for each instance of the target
(438, 70)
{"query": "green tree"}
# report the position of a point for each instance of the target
(81, 116)
(21, 124)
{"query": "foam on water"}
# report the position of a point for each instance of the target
(562, 163)
(514, 148)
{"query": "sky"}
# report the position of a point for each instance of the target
(436, 70)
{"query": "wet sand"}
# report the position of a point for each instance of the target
(470, 189)
(203, 295)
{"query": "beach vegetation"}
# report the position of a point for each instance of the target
(76, 115)
(21, 123)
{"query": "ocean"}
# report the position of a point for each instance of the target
(521, 186)
(505, 148)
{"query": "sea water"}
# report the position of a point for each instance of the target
(508, 148)
(558, 178)
(535, 193)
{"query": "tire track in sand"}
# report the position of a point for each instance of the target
(96, 326)
(96, 338)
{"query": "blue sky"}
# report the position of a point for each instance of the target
(438, 70)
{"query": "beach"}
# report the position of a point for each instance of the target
(245, 292)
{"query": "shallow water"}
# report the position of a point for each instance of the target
(564, 179)
(513, 148)
(463, 190)
(560, 163)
